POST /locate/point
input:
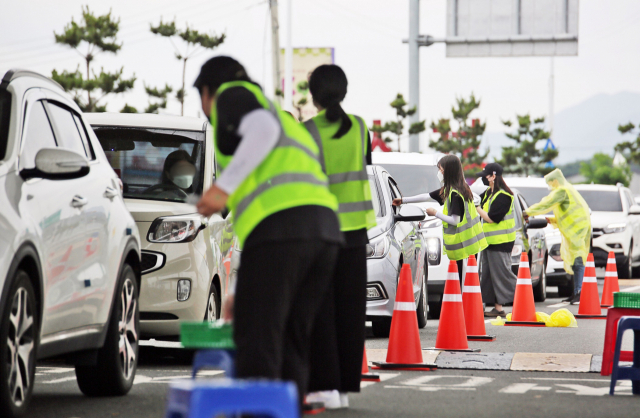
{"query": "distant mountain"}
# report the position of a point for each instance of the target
(586, 128)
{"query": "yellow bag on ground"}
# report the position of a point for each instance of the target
(498, 321)
(509, 316)
(562, 318)
(542, 317)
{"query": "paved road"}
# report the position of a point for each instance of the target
(442, 393)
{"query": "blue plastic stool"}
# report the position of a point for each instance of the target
(208, 398)
(216, 358)
(627, 372)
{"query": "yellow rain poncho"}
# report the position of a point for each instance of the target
(571, 217)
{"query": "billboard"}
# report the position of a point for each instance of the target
(512, 28)
(305, 60)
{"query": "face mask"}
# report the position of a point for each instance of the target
(183, 181)
(485, 181)
(440, 177)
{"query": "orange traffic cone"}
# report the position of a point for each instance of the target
(366, 376)
(472, 305)
(610, 282)
(404, 351)
(524, 308)
(589, 304)
(452, 332)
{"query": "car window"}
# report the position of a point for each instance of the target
(414, 178)
(534, 194)
(85, 138)
(630, 201)
(5, 113)
(395, 193)
(66, 129)
(602, 201)
(155, 164)
(378, 207)
(519, 205)
(38, 135)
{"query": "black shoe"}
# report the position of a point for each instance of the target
(569, 299)
(312, 408)
(493, 313)
(576, 299)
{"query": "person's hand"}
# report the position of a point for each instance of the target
(525, 215)
(214, 200)
(431, 211)
(397, 201)
(227, 311)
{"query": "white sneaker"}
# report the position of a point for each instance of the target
(344, 400)
(330, 398)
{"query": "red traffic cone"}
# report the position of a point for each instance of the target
(472, 304)
(524, 308)
(366, 376)
(404, 351)
(452, 332)
(610, 282)
(589, 304)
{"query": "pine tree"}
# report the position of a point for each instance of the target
(397, 127)
(196, 42)
(631, 149)
(93, 35)
(157, 98)
(526, 156)
(466, 140)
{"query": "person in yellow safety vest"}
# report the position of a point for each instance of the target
(339, 332)
(498, 283)
(461, 227)
(284, 217)
(572, 218)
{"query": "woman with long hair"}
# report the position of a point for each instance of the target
(337, 340)
(498, 283)
(462, 231)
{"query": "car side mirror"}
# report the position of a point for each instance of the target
(634, 210)
(537, 223)
(409, 213)
(57, 164)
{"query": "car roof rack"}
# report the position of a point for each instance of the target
(15, 73)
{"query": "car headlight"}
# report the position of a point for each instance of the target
(433, 251)
(175, 229)
(378, 247)
(614, 228)
(555, 252)
(517, 250)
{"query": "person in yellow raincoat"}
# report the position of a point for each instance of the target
(572, 218)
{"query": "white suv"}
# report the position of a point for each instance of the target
(69, 249)
(616, 226)
(186, 258)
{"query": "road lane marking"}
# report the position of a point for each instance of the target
(61, 380)
(631, 289)
(383, 377)
(518, 388)
(55, 369)
(558, 305)
(566, 379)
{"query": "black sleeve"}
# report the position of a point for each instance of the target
(232, 105)
(499, 207)
(457, 206)
(368, 153)
(435, 195)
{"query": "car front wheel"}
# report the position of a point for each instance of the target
(422, 304)
(213, 305)
(540, 291)
(118, 359)
(18, 345)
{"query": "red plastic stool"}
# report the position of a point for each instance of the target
(611, 333)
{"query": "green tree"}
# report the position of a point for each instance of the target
(526, 156)
(303, 88)
(128, 109)
(157, 98)
(464, 142)
(600, 170)
(94, 34)
(195, 42)
(397, 127)
(630, 149)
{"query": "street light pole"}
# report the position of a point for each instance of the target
(414, 70)
(288, 64)
(275, 47)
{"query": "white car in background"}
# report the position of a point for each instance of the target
(186, 258)
(416, 174)
(615, 219)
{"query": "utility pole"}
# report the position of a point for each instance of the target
(414, 70)
(288, 64)
(275, 47)
(551, 96)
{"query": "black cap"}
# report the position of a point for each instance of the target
(491, 169)
(220, 70)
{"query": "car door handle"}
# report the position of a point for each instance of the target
(110, 193)
(79, 201)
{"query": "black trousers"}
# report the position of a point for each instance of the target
(338, 335)
(279, 291)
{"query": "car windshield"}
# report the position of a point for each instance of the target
(5, 109)
(375, 197)
(533, 195)
(155, 164)
(602, 201)
(414, 179)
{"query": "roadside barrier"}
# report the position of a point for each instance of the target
(610, 282)
(472, 304)
(524, 308)
(589, 300)
(404, 351)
